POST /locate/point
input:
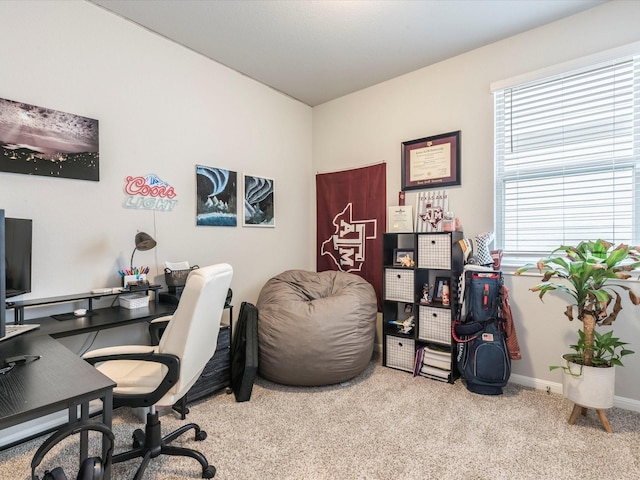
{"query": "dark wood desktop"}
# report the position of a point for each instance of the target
(60, 379)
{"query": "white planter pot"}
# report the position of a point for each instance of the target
(589, 387)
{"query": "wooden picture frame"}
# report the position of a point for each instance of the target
(431, 162)
(442, 290)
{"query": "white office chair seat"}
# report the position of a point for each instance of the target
(131, 376)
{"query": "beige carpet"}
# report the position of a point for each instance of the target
(384, 424)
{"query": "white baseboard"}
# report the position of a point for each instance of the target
(555, 387)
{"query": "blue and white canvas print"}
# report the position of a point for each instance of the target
(217, 197)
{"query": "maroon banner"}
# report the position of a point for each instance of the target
(351, 216)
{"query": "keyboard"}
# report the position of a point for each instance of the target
(14, 330)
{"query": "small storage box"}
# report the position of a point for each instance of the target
(398, 285)
(177, 278)
(434, 324)
(135, 300)
(434, 251)
(400, 352)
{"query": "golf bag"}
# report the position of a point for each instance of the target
(482, 357)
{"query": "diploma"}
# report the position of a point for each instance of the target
(400, 219)
(430, 162)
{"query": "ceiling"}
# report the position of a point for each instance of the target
(315, 51)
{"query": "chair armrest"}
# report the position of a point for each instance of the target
(164, 319)
(118, 350)
(156, 328)
(144, 354)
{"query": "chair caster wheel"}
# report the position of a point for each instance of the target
(201, 435)
(209, 472)
(138, 438)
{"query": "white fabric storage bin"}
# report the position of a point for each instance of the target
(434, 324)
(398, 285)
(400, 352)
(434, 251)
(135, 300)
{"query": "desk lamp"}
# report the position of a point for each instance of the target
(144, 242)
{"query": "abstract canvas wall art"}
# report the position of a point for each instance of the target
(259, 202)
(217, 198)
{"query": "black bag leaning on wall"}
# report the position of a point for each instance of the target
(481, 352)
(244, 352)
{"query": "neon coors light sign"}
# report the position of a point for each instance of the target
(346, 246)
(149, 193)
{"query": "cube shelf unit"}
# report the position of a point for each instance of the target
(436, 255)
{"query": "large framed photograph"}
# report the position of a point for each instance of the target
(431, 162)
(37, 140)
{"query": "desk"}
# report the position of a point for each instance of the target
(59, 380)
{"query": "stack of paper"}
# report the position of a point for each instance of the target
(433, 362)
(177, 265)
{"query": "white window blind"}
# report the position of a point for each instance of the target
(566, 159)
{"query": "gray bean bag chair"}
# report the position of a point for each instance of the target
(315, 328)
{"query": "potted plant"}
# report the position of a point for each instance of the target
(590, 275)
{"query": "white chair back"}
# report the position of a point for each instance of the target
(192, 333)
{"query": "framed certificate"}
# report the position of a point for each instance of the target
(400, 219)
(431, 162)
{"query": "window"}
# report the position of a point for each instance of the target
(567, 159)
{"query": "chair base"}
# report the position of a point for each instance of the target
(150, 444)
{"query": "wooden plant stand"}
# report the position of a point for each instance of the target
(578, 409)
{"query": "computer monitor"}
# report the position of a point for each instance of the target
(17, 255)
(3, 307)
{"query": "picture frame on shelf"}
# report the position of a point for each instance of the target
(442, 290)
(404, 257)
(431, 162)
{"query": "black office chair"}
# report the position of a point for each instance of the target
(150, 376)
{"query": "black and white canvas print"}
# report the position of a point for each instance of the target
(40, 141)
(217, 202)
(258, 202)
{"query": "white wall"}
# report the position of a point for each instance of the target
(369, 126)
(162, 109)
